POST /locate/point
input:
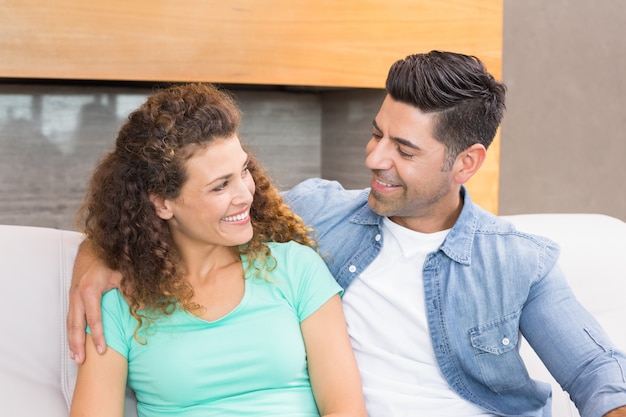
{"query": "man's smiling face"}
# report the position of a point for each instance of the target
(409, 176)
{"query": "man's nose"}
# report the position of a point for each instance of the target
(379, 154)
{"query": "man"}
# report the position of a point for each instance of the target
(436, 289)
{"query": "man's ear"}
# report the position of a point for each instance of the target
(469, 162)
(162, 207)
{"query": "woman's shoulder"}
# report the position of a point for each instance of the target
(112, 295)
(114, 300)
(290, 248)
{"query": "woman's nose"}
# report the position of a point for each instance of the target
(245, 191)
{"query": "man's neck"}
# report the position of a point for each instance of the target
(435, 220)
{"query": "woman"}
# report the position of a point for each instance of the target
(225, 308)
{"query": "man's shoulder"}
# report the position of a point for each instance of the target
(320, 188)
(489, 226)
(335, 213)
(318, 196)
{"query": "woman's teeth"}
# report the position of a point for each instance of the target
(236, 218)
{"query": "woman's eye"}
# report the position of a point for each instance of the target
(221, 186)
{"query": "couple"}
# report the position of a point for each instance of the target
(435, 290)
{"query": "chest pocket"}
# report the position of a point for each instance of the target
(496, 351)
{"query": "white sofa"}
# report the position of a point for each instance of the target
(37, 376)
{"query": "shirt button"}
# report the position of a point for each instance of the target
(352, 268)
(377, 238)
(506, 341)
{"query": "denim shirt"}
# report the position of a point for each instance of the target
(484, 287)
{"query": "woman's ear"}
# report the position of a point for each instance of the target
(469, 162)
(162, 207)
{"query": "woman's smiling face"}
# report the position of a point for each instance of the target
(214, 203)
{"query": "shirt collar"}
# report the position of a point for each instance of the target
(365, 215)
(458, 243)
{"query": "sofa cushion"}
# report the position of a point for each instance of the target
(37, 377)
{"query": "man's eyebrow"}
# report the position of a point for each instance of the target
(405, 142)
(401, 141)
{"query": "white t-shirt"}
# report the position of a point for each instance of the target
(386, 317)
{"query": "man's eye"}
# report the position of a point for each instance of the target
(404, 154)
(376, 136)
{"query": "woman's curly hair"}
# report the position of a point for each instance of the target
(149, 159)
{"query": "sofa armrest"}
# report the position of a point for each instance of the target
(593, 258)
(37, 376)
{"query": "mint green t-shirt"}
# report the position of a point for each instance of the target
(251, 362)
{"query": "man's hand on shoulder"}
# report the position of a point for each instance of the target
(90, 279)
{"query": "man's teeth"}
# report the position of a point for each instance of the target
(236, 218)
(384, 184)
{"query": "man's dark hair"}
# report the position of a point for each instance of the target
(467, 101)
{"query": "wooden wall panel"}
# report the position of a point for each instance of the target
(348, 43)
(293, 42)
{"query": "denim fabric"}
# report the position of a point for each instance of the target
(485, 286)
